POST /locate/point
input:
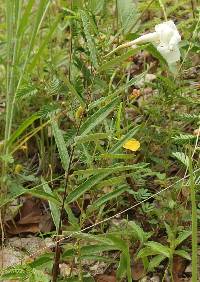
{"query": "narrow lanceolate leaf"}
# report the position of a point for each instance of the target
(22, 128)
(84, 187)
(55, 212)
(107, 197)
(98, 117)
(90, 42)
(94, 137)
(115, 169)
(60, 143)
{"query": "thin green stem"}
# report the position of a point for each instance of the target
(163, 9)
(194, 222)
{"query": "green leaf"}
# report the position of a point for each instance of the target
(159, 248)
(55, 212)
(39, 276)
(183, 254)
(105, 198)
(155, 262)
(182, 237)
(122, 267)
(22, 128)
(98, 117)
(138, 232)
(43, 195)
(60, 142)
(145, 252)
(89, 38)
(181, 157)
(115, 169)
(116, 156)
(127, 14)
(90, 138)
(98, 248)
(84, 187)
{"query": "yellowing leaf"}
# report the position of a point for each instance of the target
(132, 145)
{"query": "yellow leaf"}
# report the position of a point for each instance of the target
(132, 145)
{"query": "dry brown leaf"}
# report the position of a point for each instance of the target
(31, 219)
(105, 278)
(179, 265)
(137, 270)
(25, 228)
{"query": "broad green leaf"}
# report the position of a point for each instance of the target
(84, 187)
(42, 260)
(159, 248)
(60, 143)
(98, 117)
(145, 252)
(55, 212)
(155, 262)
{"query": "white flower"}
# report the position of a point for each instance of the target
(167, 41)
(165, 38)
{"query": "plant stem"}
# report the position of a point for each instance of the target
(194, 222)
(163, 9)
(59, 233)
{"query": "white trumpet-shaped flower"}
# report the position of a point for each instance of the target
(167, 41)
(165, 38)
